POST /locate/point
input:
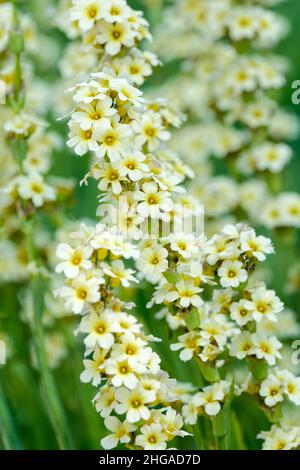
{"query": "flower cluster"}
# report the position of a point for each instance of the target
(233, 325)
(109, 25)
(118, 357)
(26, 146)
(229, 75)
(205, 285)
(136, 176)
(209, 401)
(30, 186)
(107, 32)
(124, 133)
(281, 438)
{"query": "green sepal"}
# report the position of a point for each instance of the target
(193, 319)
(19, 149)
(251, 327)
(224, 355)
(273, 414)
(39, 290)
(209, 371)
(258, 368)
(172, 309)
(16, 42)
(172, 277)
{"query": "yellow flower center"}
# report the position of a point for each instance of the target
(244, 22)
(262, 308)
(265, 348)
(134, 70)
(124, 370)
(82, 294)
(241, 76)
(191, 344)
(36, 188)
(257, 113)
(113, 176)
(76, 259)
(130, 166)
(272, 155)
(136, 403)
(294, 210)
(114, 11)
(116, 34)
(130, 351)
(150, 132)
(109, 140)
(100, 329)
(92, 13)
(152, 200)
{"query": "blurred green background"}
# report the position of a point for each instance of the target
(21, 383)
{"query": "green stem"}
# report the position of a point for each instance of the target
(37, 284)
(198, 437)
(7, 428)
(155, 11)
(18, 77)
(55, 410)
(17, 48)
(53, 402)
(215, 437)
(237, 433)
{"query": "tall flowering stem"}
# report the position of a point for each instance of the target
(8, 432)
(26, 193)
(205, 286)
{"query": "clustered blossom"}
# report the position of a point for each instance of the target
(118, 358)
(281, 438)
(106, 31)
(233, 325)
(125, 134)
(27, 191)
(31, 185)
(25, 182)
(229, 75)
(206, 286)
(137, 177)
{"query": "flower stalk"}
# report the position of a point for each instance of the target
(37, 282)
(7, 428)
(38, 287)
